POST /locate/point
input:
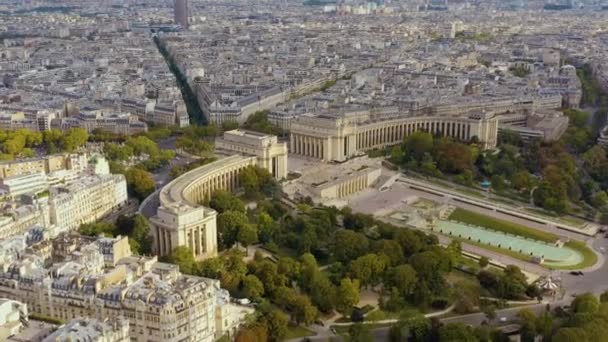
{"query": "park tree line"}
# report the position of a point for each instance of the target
(135, 227)
(547, 173)
(23, 143)
(586, 320)
(359, 252)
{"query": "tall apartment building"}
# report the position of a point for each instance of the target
(47, 164)
(170, 114)
(167, 113)
(30, 183)
(159, 302)
(35, 121)
(13, 316)
(119, 123)
(86, 200)
(181, 13)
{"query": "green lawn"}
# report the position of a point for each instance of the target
(466, 216)
(297, 331)
(569, 220)
(343, 330)
(379, 315)
(589, 257)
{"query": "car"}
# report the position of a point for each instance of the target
(503, 319)
(574, 273)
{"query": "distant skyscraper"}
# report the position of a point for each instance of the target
(181, 13)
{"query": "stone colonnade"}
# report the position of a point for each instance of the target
(351, 139)
(351, 186)
(181, 219)
(308, 146)
(377, 137)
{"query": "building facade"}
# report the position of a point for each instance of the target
(146, 300)
(48, 164)
(181, 219)
(340, 137)
(271, 155)
(87, 200)
(347, 185)
(13, 316)
(16, 186)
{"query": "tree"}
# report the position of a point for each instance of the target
(369, 268)
(267, 228)
(322, 293)
(252, 287)
(137, 229)
(142, 145)
(303, 310)
(350, 245)
(211, 268)
(222, 201)
(116, 152)
(229, 224)
(247, 235)
(604, 297)
(490, 312)
(528, 322)
(392, 250)
(253, 333)
(569, 335)
(417, 145)
(521, 180)
(404, 278)
(578, 118)
(229, 125)
(359, 333)
(465, 178)
(140, 183)
(430, 267)
(419, 328)
(249, 181)
(347, 295)
(184, 258)
(276, 323)
(456, 332)
(451, 156)
(259, 122)
(266, 271)
(96, 229)
(409, 241)
(487, 279)
(483, 262)
(52, 140)
(74, 138)
(233, 270)
(498, 183)
(585, 303)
